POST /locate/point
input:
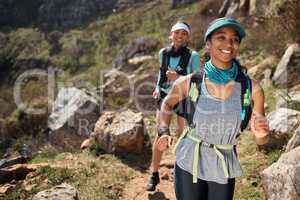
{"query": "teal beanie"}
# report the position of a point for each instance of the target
(225, 22)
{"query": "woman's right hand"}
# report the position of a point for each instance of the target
(163, 142)
(155, 94)
(172, 75)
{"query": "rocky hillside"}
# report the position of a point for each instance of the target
(59, 15)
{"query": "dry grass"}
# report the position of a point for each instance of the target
(249, 187)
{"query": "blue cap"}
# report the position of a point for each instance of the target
(225, 22)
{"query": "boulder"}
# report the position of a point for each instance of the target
(63, 191)
(119, 132)
(12, 161)
(135, 48)
(283, 122)
(257, 72)
(288, 70)
(138, 60)
(294, 141)
(72, 119)
(15, 172)
(282, 179)
(290, 100)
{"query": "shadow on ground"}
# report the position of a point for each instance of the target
(140, 162)
(157, 196)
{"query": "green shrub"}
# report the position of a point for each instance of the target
(26, 43)
(56, 176)
(96, 149)
(44, 156)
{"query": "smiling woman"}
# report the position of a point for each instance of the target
(206, 157)
(226, 45)
(175, 61)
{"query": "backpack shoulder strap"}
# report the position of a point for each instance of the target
(246, 102)
(193, 96)
(197, 77)
(195, 85)
(164, 66)
(186, 107)
(183, 62)
(165, 58)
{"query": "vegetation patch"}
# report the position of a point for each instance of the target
(249, 186)
(96, 178)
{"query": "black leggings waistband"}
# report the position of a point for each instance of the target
(185, 189)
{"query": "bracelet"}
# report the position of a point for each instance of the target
(163, 131)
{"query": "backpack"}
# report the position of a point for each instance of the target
(181, 69)
(186, 107)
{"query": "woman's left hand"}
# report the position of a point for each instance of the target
(164, 142)
(260, 127)
(258, 123)
(172, 75)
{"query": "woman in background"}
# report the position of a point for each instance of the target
(175, 61)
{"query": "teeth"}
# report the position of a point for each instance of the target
(225, 51)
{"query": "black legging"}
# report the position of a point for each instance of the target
(185, 189)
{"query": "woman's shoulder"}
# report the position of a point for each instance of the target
(195, 54)
(162, 50)
(160, 53)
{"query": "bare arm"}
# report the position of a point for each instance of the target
(178, 92)
(259, 124)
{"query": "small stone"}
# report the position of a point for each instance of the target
(7, 188)
(86, 143)
(165, 175)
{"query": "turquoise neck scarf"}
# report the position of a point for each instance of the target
(219, 76)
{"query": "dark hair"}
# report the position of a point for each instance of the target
(208, 38)
(204, 58)
(187, 24)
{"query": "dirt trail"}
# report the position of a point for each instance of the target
(135, 189)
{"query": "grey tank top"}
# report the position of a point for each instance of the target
(216, 122)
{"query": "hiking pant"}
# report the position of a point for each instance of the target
(185, 189)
